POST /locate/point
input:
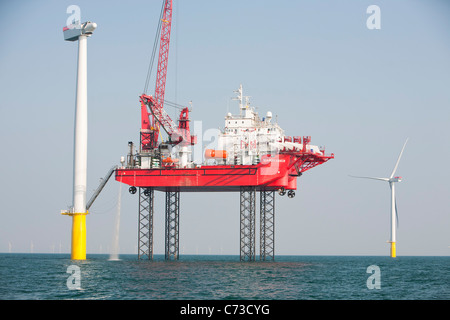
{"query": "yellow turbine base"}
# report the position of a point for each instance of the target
(393, 250)
(79, 236)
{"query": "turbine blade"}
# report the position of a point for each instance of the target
(396, 212)
(374, 178)
(398, 160)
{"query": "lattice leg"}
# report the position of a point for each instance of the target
(247, 225)
(145, 232)
(267, 225)
(172, 225)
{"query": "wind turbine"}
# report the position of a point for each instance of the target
(394, 217)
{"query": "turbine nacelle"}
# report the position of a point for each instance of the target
(395, 179)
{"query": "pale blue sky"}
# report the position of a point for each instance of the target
(314, 64)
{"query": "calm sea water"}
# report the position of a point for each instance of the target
(45, 277)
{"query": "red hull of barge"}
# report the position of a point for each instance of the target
(272, 173)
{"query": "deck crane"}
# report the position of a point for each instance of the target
(153, 115)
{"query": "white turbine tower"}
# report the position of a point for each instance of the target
(394, 217)
(80, 32)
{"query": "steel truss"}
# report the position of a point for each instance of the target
(267, 226)
(247, 225)
(172, 225)
(145, 237)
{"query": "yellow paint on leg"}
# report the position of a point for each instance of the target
(79, 236)
(393, 250)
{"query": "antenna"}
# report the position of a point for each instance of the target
(239, 98)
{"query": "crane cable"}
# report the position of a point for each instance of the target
(173, 104)
(155, 46)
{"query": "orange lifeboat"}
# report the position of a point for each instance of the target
(215, 154)
(170, 160)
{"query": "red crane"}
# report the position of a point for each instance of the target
(153, 115)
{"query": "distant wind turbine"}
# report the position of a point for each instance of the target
(394, 217)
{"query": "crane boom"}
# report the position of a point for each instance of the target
(163, 58)
(150, 124)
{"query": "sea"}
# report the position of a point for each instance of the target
(223, 277)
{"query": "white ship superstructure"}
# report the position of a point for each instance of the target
(246, 137)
